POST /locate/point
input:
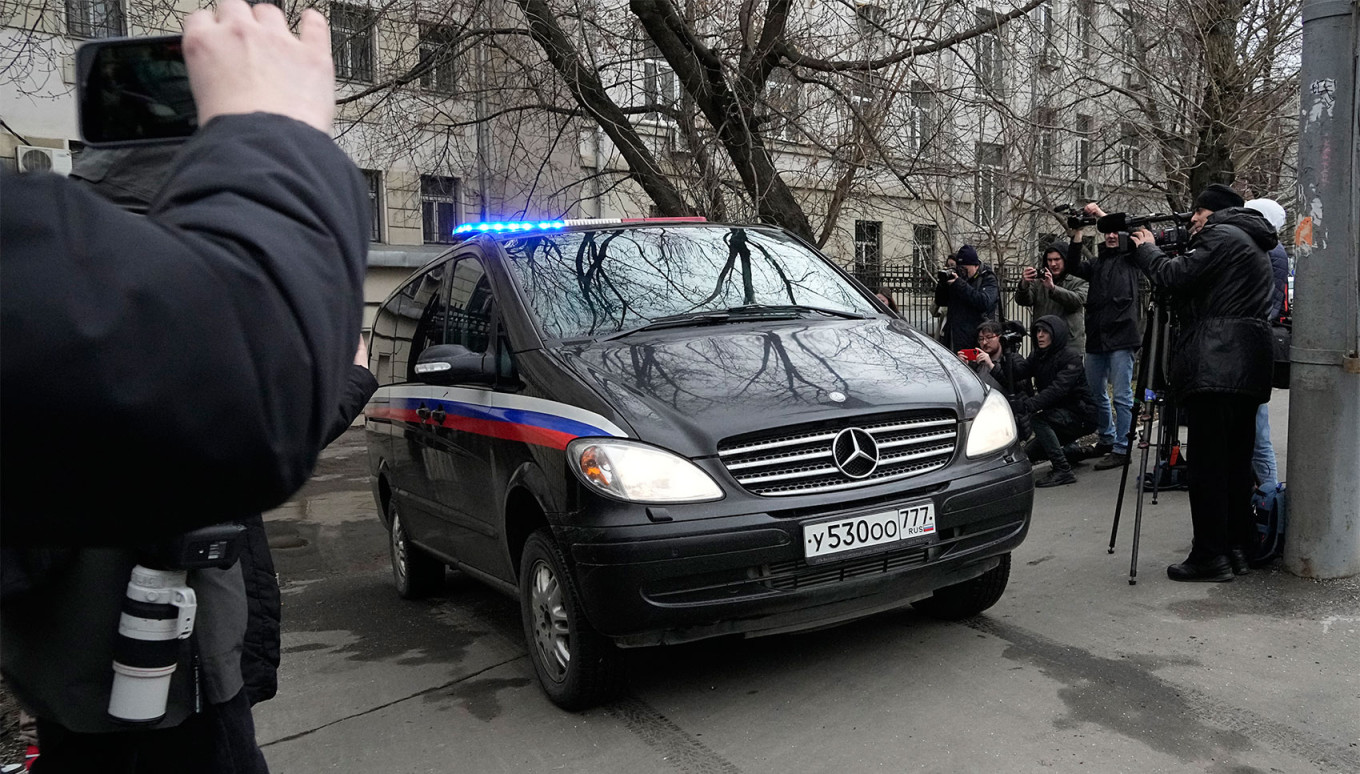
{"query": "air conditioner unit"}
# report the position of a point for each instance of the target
(1089, 191)
(32, 159)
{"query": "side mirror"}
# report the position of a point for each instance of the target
(455, 364)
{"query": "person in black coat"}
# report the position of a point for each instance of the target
(191, 360)
(131, 178)
(1220, 367)
(1060, 410)
(1114, 334)
(970, 293)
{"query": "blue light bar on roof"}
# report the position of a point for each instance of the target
(508, 227)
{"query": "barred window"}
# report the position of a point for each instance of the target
(94, 18)
(438, 208)
(352, 42)
(437, 57)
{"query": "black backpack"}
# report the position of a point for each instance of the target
(1270, 527)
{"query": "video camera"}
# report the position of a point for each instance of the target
(1075, 217)
(1012, 334)
(1173, 239)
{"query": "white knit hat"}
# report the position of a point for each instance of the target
(1271, 209)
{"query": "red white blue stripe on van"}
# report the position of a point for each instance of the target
(497, 415)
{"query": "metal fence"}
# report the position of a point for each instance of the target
(913, 290)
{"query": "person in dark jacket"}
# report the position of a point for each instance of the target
(209, 342)
(1061, 409)
(970, 293)
(1220, 367)
(1114, 334)
(130, 178)
(1050, 289)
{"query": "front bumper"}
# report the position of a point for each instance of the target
(679, 581)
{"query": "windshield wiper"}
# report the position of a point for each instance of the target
(790, 308)
(733, 314)
(673, 321)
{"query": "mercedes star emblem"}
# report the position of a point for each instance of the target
(855, 452)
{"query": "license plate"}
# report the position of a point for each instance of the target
(832, 537)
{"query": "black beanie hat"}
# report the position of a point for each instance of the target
(1218, 197)
(967, 256)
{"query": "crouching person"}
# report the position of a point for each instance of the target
(1061, 409)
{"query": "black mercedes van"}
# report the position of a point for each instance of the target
(659, 431)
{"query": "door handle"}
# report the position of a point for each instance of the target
(438, 416)
(423, 413)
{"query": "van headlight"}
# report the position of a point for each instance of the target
(636, 472)
(993, 428)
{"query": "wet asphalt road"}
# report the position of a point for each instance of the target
(1074, 670)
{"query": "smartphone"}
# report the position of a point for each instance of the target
(971, 355)
(134, 91)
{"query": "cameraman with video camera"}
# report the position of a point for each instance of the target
(970, 293)
(1220, 367)
(188, 363)
(1114, 333)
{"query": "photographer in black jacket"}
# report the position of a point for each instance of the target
(1061, 409)
(969, 292)
(194, 359)
(1221, 368)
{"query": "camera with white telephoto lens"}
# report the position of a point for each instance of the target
(158, 613)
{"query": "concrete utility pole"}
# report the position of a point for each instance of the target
(1323, 535)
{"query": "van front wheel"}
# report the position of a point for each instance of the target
(967, 599)
(577, 667)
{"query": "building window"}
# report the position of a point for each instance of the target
(352, 42)
(94, 18)
(1046, 135)
(923, 254)
(990, 189)
(921, 117)
(660, 87)
(1043, 22)
(1129, 148)
(1083, 148)
(868, 251)
(438, 208)
(439, 71)
(786, 105)
(991, 75)
(375, 204)
(1086, 19)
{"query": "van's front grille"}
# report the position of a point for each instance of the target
(831, 456)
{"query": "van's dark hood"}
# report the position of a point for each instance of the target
(687, 389)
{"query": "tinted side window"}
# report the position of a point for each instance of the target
(470, 306)
(421, 315)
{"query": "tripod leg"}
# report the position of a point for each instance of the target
(1138, 511)
(1119, 498)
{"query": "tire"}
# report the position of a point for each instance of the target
(577, 667)
(415, 573)
(967, 599)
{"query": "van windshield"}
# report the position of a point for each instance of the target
(594, 283)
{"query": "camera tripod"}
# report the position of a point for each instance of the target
(1150, 401)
